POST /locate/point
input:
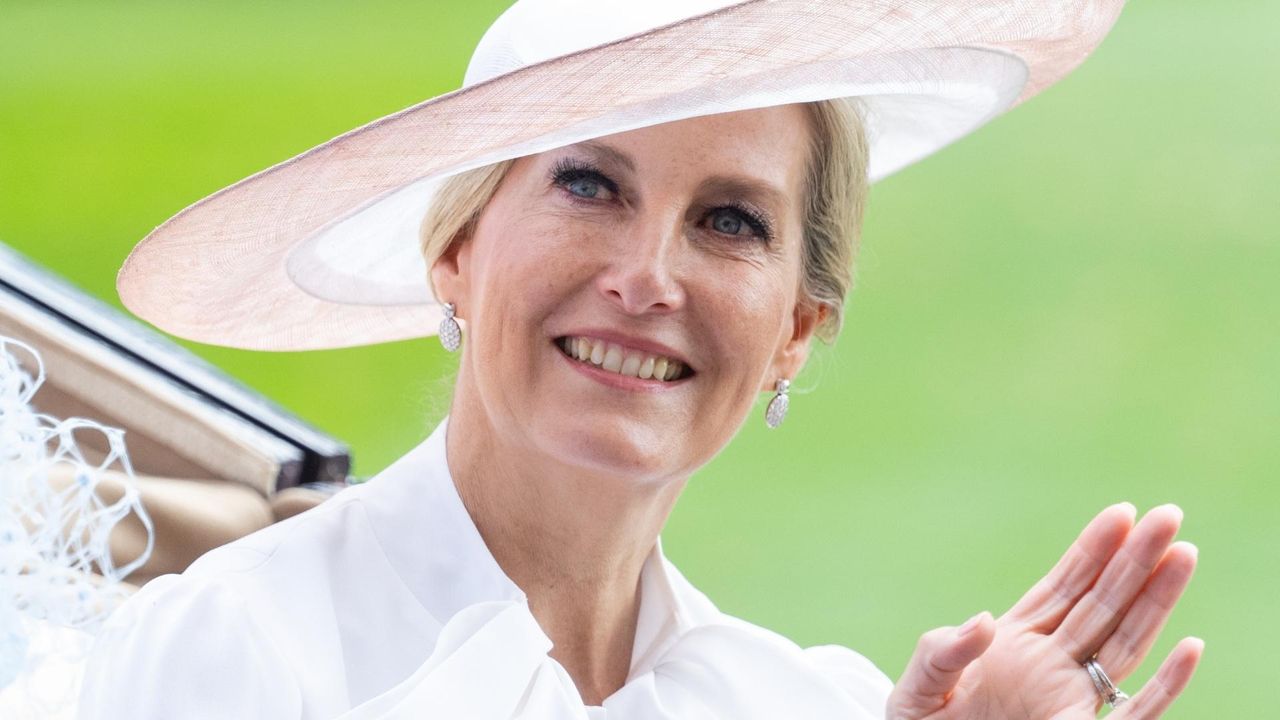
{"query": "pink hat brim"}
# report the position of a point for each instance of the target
(318, 251)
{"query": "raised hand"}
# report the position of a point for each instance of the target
(1109, 595)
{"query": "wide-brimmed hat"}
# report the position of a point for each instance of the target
(322, 250)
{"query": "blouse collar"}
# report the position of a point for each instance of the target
(434, 546)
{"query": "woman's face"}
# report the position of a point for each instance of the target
(676, 246)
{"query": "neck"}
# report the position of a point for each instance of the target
(572, 540)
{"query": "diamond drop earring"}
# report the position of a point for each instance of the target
(777, 410)
(450, 333)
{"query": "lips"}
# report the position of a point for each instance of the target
(622, 360)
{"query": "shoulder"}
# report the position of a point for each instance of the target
(186, 647)
(853, 674)
(765, 664)
(319, 529)
(225, 638)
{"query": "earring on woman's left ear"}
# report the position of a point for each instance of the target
(450, 332)
(777, 410)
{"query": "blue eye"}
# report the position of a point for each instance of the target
(727, 223)
(582, 180)
(740, 220)
(584, 187)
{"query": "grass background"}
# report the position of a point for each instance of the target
(1076, 305)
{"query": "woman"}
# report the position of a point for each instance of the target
(635, 260)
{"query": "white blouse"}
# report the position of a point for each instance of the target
(384, 602)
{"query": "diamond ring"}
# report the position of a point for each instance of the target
(1112, 695)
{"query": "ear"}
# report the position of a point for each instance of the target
(451, 273)
(790, 358)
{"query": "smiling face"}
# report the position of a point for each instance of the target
(628, 298)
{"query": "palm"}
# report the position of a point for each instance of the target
(1110, 594)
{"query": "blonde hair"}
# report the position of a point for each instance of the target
(835, 188)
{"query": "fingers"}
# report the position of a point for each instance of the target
(1124, 651)
(940, 659)
(1049, 600)
(1160, 691)
(1100, 610)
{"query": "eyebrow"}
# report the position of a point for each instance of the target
(758, 191)
(609, 154)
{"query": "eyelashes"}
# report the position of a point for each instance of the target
(754, 220)
(583, 182)
(568, 171)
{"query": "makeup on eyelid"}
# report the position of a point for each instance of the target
(568, 170)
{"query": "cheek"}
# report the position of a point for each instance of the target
(528, 267)
(751, 300)
(747, 312)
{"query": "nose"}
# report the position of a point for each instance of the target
(642, 275)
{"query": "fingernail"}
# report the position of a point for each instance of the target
(1128, 508)
(970, 624)
(1195, 643)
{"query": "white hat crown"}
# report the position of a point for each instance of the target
(533, 31)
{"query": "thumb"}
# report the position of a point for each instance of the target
(934, 670)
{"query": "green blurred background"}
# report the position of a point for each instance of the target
(1077, 305)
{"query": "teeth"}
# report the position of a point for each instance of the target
(612, 359)
(615, 358)
(631, 366)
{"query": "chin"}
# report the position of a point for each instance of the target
(615, 446)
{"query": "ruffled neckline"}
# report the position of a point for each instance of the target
(439, 554)
(491, 658)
